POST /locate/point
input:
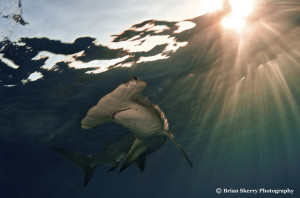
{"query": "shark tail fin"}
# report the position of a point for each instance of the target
(80, 159)
(172, 138)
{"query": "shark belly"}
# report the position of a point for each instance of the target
(141, 121)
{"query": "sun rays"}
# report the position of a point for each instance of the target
(251, 90)
(240, 10)
(236, 19)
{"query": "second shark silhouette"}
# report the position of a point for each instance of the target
(147, 124)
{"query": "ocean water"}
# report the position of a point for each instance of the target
(232, 101)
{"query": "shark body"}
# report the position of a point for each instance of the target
(146, 122)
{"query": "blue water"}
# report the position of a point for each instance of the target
(232, 102)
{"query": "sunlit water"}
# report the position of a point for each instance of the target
(231, 98)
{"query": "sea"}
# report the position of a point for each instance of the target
(232, 100)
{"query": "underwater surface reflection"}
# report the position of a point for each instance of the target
(231, 97)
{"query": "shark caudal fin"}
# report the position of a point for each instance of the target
(171, 136)
(134, 155)
(80, 159)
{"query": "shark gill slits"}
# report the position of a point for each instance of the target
(115, 113)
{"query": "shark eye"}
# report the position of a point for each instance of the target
(135, 78)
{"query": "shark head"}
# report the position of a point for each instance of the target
(135, 83)
(113, 102)
(129, 89)
(93, 118)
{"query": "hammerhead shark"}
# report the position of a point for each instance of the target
(146, 122)
(111, 155)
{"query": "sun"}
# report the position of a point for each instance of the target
(234, 22)
(240, 10)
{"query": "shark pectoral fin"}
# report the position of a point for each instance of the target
(171, 136)
(80, 159)
(136, 150)
(141, 163)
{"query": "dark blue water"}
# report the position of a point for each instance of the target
(232, 101)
